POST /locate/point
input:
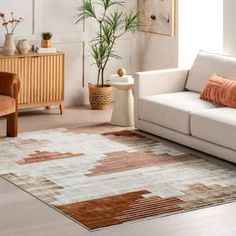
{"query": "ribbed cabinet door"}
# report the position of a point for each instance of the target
(23, 65)
(47, 83)
(42, 78)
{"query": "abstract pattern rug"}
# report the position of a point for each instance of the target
(104, 175)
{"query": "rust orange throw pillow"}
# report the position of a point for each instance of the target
(220, 90)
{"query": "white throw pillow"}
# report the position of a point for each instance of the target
(207, 64)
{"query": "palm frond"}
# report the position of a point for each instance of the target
(113, 55)
(109, 3)
(107, 33)
(115, 20)
(100, 52)
(86, 10)
(131, 21)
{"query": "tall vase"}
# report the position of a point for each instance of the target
(9, 46)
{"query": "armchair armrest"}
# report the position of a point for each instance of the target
(9, 84)
(159, 82)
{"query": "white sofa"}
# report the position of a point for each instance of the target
(167, 104)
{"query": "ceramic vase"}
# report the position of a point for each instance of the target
(9, 46)
(23, 46)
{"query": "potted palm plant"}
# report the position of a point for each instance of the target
(112, 23)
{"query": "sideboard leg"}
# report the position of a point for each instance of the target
(62, 109)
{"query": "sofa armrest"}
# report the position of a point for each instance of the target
(157, 82)
(160, 81)
(9, 84)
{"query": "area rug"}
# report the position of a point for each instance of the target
(104, 175)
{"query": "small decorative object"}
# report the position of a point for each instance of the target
(10, 25)
(33, 48)
(46, 41)
(157, 16)
(23, 46)
(112, 23)
(121, 72)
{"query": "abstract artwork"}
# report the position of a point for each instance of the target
(157, 16)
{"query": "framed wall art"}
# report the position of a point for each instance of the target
(157, 16)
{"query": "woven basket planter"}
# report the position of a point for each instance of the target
(100, 97)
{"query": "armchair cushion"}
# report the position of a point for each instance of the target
(207, 64)
(7, 105)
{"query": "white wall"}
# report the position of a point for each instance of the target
(156, 51)
(57, 16)
(200, 27)
(229, 27)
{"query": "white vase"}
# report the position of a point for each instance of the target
(9, 46)
(23, 46)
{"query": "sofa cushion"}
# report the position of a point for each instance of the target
(7, 105)
(207, 64)
(215, 125)
(172, 110)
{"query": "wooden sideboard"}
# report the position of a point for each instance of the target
(41, 77)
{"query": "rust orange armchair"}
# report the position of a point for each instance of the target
(9, 90)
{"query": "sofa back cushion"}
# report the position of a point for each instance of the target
(207, 64)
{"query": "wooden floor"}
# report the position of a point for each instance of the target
(23, 215)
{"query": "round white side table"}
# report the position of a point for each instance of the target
(123, 109)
